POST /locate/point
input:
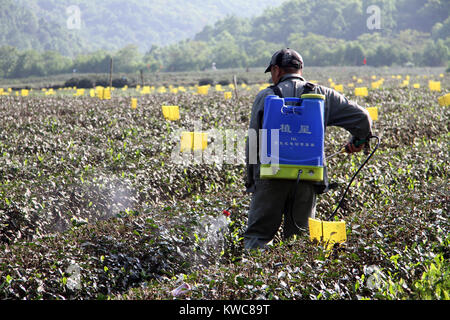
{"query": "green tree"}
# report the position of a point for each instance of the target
(435, 54)
(353, 54)
(226, 53)
(128, 59)
(55, 63)
(8, 60)
(441, 30)
(29, 63)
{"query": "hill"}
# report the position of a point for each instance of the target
(22, 28)
(113, 24)
(328, 32)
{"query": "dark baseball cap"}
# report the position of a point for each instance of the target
(286, 58)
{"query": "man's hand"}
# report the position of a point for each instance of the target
(355, 145)
(351, 148)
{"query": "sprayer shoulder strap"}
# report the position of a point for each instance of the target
(307, 88)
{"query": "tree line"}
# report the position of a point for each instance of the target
(193, 55)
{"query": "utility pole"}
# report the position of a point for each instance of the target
(110, 73)
(142, 77)
(235, 86)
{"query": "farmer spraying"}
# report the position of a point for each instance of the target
(273, 197)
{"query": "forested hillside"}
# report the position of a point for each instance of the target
(330, 32)
(326, 32)
(22, 28)
(113, 24)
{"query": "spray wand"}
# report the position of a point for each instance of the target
(356, 144)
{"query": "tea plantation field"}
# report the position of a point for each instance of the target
(93, 205)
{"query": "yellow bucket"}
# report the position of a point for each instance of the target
(227, 95)
(133, 103)
(434, 85)
(193, 141)
(106, 94)
(339, 87)
(327, 233)
(373, 111)
(361, 92)
(171, 113)
(444, 100)
(203, 90)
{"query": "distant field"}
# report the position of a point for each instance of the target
(254, 75)
(93, 205)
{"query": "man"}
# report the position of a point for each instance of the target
(272, 197)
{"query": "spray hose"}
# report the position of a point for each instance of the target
(346, 190)
(354, 176)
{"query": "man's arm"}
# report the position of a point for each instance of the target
(348, 115)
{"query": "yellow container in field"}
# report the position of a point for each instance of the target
(373, 111)
(80, 92)
(227, 95)
(92, 93)
(444, 100)
(376, 85)
(405, 83)
(99, 92)
(171, 113)
(219, 87)
(416, 85)
(133, 103)
(339, 87)
(434, 85)
(193, 141)
(161, 89)
(24, 92)
(328, 233)
(106, 94)
(263, 86)
(359, 80)
(203, 90)
(361, 92)
(145, 90)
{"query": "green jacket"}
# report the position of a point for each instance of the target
(339, 111)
